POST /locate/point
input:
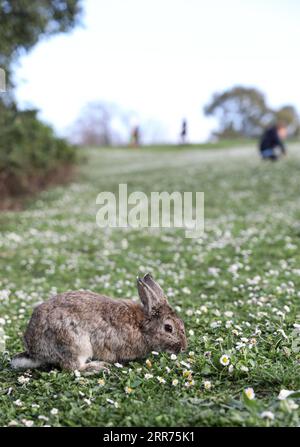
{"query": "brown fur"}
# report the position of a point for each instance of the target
(84, 331)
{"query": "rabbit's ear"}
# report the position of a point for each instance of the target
(151, 294)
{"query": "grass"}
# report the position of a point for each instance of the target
(237, 289)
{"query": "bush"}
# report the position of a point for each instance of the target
(29, 151)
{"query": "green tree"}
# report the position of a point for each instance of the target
(240, 111)
(29, 149)
(24, 22)
(289, 115)
(243, 112)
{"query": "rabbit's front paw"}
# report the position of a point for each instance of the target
(94, 367)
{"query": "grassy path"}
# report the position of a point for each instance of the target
(237, 289)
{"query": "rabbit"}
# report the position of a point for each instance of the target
(85, 331)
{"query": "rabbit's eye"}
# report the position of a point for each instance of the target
(168, 328)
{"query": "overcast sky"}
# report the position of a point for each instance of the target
(164, 59)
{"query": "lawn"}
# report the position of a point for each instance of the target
(237, 290)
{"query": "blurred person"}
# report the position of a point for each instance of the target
(183, 132)
(135, 136)
(272, 142)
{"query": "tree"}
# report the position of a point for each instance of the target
(289, 116)
(100, 124)
(243, 112)
(29, 149)
(24, 22)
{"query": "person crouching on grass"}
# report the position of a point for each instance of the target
(272, 141)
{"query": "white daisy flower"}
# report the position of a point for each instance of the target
(249, 393)
(43, 418)
(224, 360)
(18, 403)
(207, 384)
(27, 423)
(284, 394)
(187, 365)
(267, 415)
(23, 380)
(118, 365)
(148, 376)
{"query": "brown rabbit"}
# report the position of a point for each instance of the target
(85, 331)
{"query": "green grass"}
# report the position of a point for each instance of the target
(237, 290)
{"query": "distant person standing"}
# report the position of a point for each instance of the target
(135, 136)
(272, 141)
(183, 132)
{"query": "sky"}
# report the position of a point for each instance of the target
(163, 59)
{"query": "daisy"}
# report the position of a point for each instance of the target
(160, 379)
(207, 384)
(189, 383)
(87, 401)
(148, 376)
(118, 365)
(250, 393)
(284, 394)
(175, 382)
(43, 418)
(187, 365)
(267, 415)
(101, 382)
(186, 290)
(115, 404)
(54, 411)
(23, 380)
(128, 390)
(224, 360)
(27, 423)
(35, 406)
(18, 403)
